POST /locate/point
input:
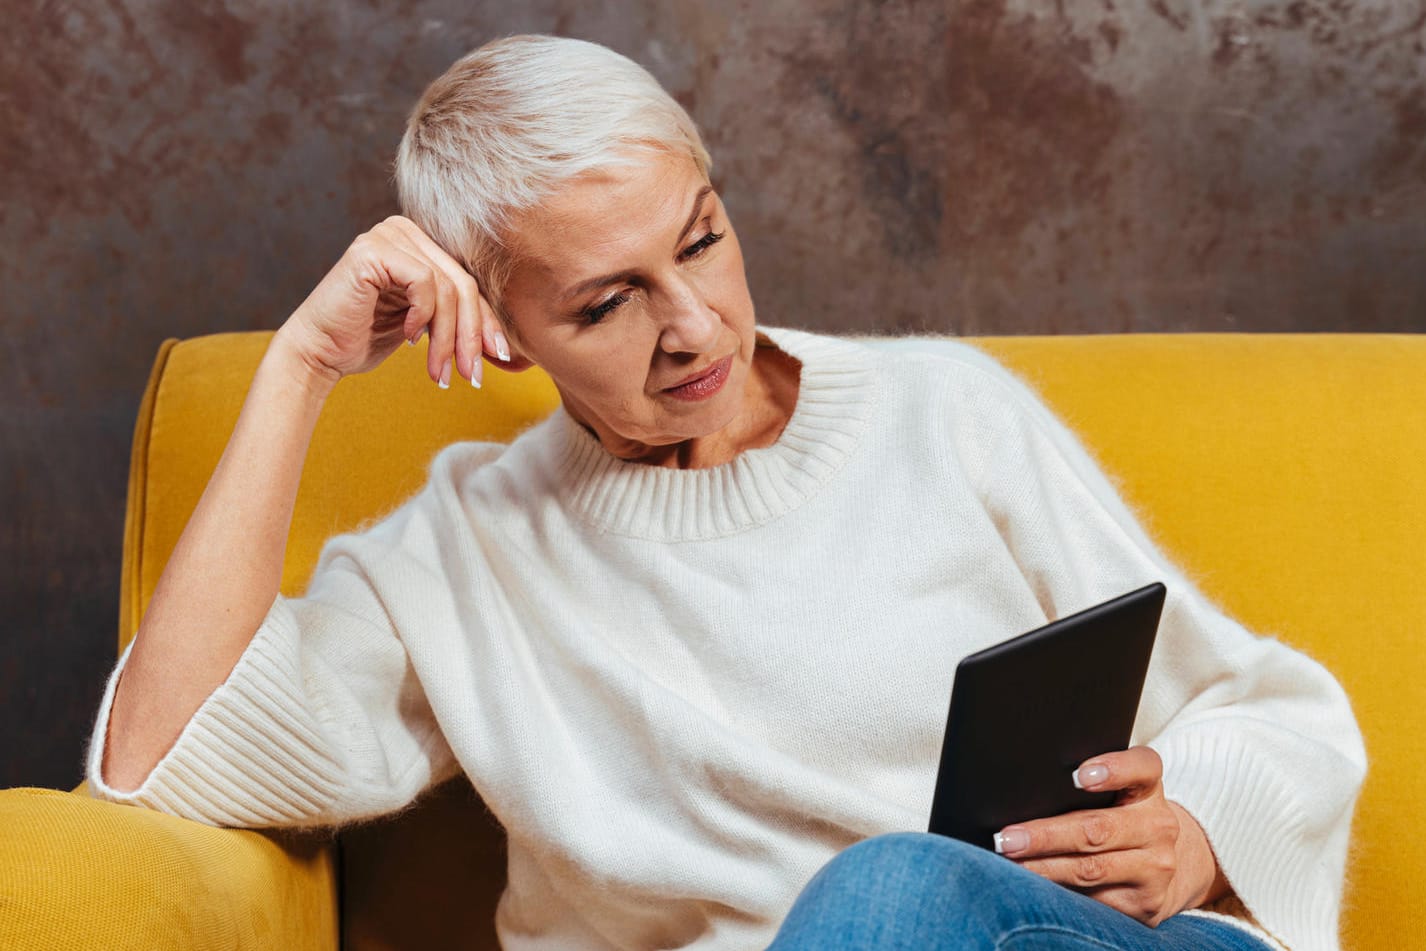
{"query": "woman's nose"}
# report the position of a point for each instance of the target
(690, 326)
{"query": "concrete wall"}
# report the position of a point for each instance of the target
(173, 167)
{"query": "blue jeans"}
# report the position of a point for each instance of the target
(914, 890)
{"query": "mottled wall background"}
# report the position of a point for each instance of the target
(177, 167)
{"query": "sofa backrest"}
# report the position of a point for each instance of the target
(1285, 473)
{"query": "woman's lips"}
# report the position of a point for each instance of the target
(705, 384)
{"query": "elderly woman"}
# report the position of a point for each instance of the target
(692, 637)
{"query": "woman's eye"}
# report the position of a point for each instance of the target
(606, 307)
(702, 244)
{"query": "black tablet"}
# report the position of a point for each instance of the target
(1026, 712)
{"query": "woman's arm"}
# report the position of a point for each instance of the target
(393, 283)
(1257, 741)
(225, 570)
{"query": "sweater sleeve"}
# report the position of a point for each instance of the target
(321, 721)
(1258, 741)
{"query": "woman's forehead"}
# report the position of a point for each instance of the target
(609, 213)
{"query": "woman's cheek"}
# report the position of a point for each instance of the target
(728, 289)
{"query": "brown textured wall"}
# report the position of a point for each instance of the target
(173, 167)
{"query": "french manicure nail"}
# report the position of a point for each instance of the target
(1011, 840)
(445, 380)
(475, 374)
(1089, 776)
(502, 349)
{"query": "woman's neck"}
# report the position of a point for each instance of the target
(768, 402)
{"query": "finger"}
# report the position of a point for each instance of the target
(495, 342)
(1092, 870)
(1088, 830)
(467, 326)
(1122, 880)
(412, 232)
(471, 306)
(1138, 903)
(440, 352)
(393, 268)
(1137, 772)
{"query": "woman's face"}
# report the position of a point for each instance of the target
(627, 284)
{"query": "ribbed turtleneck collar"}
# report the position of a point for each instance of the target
(836, 393)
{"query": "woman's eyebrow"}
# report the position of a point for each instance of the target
(693, 214)
(620, 277)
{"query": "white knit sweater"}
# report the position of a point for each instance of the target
(683, 691)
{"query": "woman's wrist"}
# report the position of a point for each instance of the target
(1213, 884)
(291, 355)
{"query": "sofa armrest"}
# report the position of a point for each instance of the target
(76, 872)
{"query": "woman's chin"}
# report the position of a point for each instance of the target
(687, 429)
(675, 419)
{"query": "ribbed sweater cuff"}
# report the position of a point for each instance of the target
(252, 755)
(1257, 830)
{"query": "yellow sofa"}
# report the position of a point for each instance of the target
(1287, 473)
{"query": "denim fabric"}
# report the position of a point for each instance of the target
(929, 893)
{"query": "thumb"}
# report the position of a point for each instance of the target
(1137, 773)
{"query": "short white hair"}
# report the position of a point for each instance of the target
(513, 120)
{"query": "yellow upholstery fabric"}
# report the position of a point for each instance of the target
(79, 873)
(1286, 473)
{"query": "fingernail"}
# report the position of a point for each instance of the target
(416, 338)
(502, 349)
(1011, 840)
(445, 380)
(476, 373)
(1089, 776)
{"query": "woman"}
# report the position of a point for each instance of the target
(691, 638)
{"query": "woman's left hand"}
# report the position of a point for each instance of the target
(1144, 856)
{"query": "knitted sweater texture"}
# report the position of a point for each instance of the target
(683, 691)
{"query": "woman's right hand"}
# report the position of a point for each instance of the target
(393, 284)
